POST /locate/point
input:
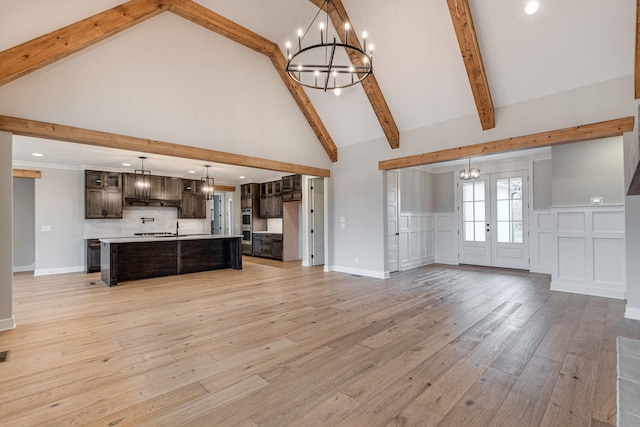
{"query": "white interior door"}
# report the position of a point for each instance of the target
(494, 220)
(317, 221)
(392, 222)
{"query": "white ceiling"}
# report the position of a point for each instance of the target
(417, 62)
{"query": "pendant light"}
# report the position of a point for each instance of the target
(469, 174)
(207, 184)
(142, 179)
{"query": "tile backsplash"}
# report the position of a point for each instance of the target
(160, 220)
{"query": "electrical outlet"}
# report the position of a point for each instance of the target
(357, 260)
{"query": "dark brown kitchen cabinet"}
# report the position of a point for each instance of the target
(194, 202)
(271, 199)
(103, 195)
(249, 198)
(292, 188)
(92, 255)
(267, 245)
(141, 190)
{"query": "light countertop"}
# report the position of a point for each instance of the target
(169, 238)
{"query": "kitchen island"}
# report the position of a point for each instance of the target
(135, 258)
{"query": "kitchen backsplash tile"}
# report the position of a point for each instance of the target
(164, 220)
(274, 225)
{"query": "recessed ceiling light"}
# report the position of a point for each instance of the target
(192, 171)
(37, 154)
(242, 177)
(126, 164)
(531, 7)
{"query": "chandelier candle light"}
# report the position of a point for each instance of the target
(207, 184)
(320, 66)
(469, 174)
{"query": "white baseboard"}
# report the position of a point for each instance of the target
(537, 269)
(418, 263)
(446, 260)
(632, 313)
(47, 271)
(585, 289)
(360, 272)
(8, 324)
(22, 268)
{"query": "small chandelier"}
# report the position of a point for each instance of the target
(316, 66)
(207, 184)
(141, 179)
(469, 174)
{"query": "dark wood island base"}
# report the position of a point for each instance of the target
(125, 259)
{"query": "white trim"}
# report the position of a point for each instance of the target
(22, 268)
(632, 313)
(8, 324)
(48, 271)
(540, 249)
(594, 289)
(360, 272)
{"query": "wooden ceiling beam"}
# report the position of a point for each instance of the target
(229, 29)
(226, 188)
(339, 17)
(468, 41)
(42, 51)
(543, 139)
(210, 20)
(637, 62)
(26, 173)
(141, 145)
(304, 103)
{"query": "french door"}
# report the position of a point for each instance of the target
(493, 214)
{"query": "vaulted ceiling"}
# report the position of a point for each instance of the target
(434, 61)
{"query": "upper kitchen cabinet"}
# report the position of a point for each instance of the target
(152, 190)
(292, 188)
(194, 202)
(271, 199)
(103, 195)
(249, 198)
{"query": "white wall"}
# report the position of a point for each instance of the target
(357, 187)
(416, 243)
(541, 183)
(226, 98)
(7, 320)
(60, 209)
(632, 236)
(358, 183)
(586, 169)
(24, 220)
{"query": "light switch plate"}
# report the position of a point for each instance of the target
(45, 228)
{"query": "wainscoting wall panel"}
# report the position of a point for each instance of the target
(417, 244)
(588, 249)
(446, 236)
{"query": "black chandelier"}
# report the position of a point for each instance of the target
(316, 66)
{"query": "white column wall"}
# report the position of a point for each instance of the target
(7, 320)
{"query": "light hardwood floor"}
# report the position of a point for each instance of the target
(276, 344)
